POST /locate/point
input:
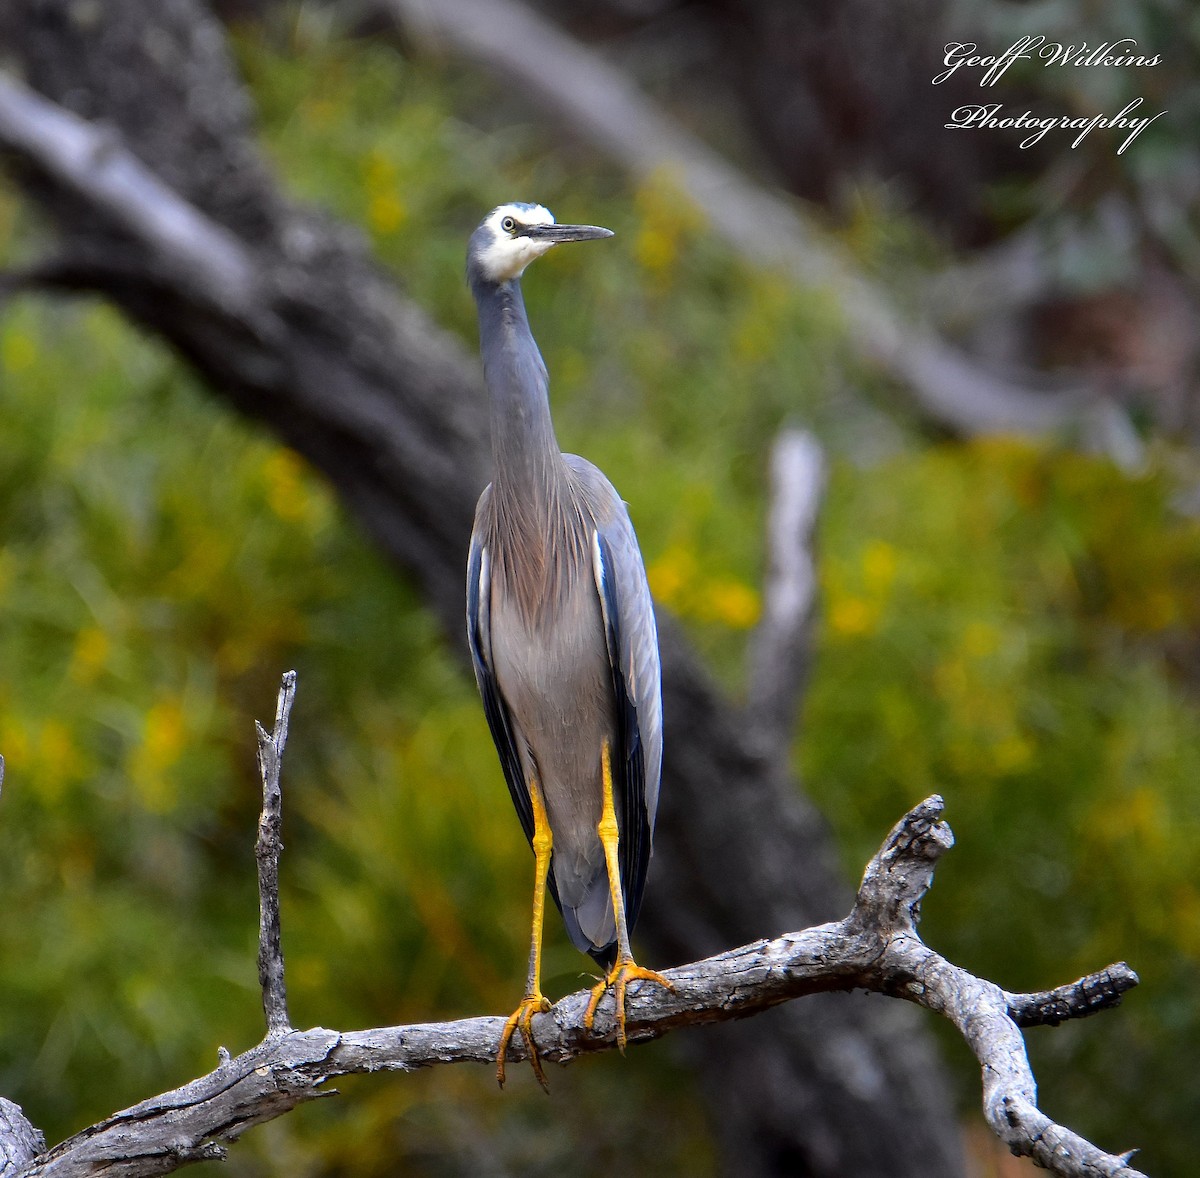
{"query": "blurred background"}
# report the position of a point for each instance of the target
(1009, 619)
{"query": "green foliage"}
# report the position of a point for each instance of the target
(1003, 624)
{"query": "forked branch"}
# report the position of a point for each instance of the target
(876, 947)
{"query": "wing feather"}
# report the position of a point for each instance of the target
(479, 639)
(633, 655)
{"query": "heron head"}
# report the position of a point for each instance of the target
(513, 235)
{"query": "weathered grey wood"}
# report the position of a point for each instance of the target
(20, 1142)
(1048, 1008)
(267, 849)
(779, 654)
(121, 189)
(876, 947)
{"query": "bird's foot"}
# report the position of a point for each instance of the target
(520, 1019)
(622, 973)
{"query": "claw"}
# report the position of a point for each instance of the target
(623, 972)
(520, 1020)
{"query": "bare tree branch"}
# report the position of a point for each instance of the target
(778, 651)
(600, 102)
(82, 156)
(1048, 1008)
(20, 1142)
(266, 853)
(875, 948)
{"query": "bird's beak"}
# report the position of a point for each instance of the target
(557, 233)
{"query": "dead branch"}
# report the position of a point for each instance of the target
(80, 155)
(779, 657)
(266, 853)
(20, 1142)
(875, 948)
(1048, 1008)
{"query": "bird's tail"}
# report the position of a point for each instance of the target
(591, 924)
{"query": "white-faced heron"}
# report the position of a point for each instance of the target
(562, 635)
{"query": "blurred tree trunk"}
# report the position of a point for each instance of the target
(319, 346)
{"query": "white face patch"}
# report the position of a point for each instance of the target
(508, 253)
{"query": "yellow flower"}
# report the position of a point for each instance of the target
(852, 617)
(655, 249)
(1145, 817)
(879, 563)
(767, 306)
(16, 747)
(289, 493)
(678, 582)
(671, 576)
(164, 736)
(379, 173)
(1011, 754)
(667, 216)
(54, 760)
(980, 639)
(386, 213)
(734, 604)
(91, 652)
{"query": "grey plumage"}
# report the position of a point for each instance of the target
(559, 617)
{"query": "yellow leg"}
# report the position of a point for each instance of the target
(534, 1001)
(624, 969)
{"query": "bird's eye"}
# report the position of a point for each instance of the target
(508, 224)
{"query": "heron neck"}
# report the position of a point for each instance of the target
(525, 452)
